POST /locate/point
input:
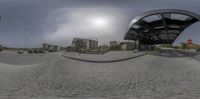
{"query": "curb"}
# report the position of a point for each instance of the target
(109, 61)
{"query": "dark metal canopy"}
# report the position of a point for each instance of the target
(160, 26)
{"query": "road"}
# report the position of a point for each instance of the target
(152, 76)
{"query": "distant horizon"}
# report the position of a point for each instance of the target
(119, 41)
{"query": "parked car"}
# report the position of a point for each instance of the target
(41, 51)
(36, 51)
(20, 52)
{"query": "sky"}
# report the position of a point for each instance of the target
(29, 23)
(192, 32)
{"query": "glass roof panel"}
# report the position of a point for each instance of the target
(152, 18)
(136, 26)
(179, 17)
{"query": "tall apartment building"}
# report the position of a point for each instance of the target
(92, 44)
(80, 44)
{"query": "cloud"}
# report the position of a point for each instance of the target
(58, 21)
(76, 23)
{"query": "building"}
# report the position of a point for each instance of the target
(61, 48)
(113, 43)
(161, 26)
(69, 49)
(83, 45)
(52, 48)
(78, 44)
(104, 48)
(46, 46)
(127, 46)
(190, 46)
(92, 44)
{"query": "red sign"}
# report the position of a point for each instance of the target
(189, 41)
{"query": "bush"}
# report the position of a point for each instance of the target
(198, 50)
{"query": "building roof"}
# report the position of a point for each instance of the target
(160, 26)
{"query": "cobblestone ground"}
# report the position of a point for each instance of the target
(149, 76)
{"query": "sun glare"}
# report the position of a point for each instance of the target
(99, 22)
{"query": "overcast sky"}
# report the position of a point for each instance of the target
(29, 23)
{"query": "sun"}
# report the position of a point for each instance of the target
(99, 22)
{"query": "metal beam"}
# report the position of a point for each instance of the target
(166, 22)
